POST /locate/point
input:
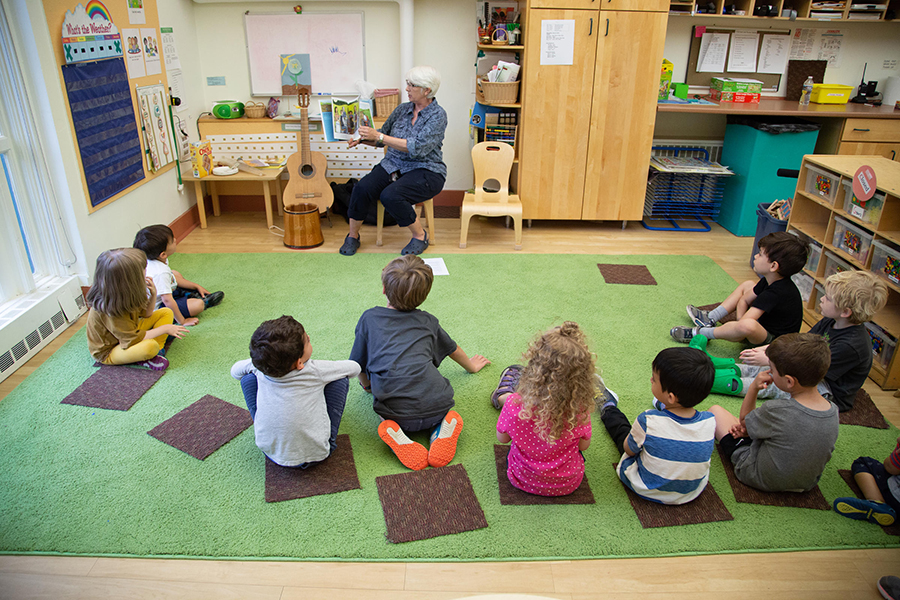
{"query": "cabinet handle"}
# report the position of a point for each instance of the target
(893, 155)
(592, 27)
(855, 129)
(607, 28)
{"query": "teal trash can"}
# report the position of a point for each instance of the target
(755, 148)
(765, 224)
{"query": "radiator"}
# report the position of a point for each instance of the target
(30, 322)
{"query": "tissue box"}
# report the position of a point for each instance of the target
(728, 84)
(665, 79)
(201, 159)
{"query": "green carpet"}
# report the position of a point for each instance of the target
(89, 481)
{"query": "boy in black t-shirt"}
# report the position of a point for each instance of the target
(851, 298)
(766, 308)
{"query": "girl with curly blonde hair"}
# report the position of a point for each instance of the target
(546, 412)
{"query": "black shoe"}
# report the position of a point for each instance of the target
(213, 299)
(350, 246)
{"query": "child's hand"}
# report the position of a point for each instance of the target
(150, 285)
(755, 357)
(191, 321)
(738, 430)
(202, 291)
(174, 330)
(762, 381)
(478, 363)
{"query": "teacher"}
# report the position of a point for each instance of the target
(413, 168)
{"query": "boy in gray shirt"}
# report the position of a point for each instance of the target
(399, 349)
(296, 403)
(784, 445)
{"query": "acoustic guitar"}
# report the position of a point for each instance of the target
(307, 183)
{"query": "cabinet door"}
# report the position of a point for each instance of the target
(556, 115)
(579, 4)
(891, 151)
(626, 87)
(638, 5)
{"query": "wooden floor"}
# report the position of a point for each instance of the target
(819, 575)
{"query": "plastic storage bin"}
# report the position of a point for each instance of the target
(831, 93)
(883, 344)
(834, 265)
(815, 254)
(869, 211)
(765, 224)
(822, 184)
(851, 239)
(805, 284)
(886, 261)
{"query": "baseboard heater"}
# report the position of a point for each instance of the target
(30, 322)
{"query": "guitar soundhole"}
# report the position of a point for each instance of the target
(307, 171)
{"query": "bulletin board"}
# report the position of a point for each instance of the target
(335, 43)
(118, 14)
(770, 81)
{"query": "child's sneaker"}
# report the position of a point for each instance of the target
(443, 440)
(157, 363)
(889, 586)
(412, 454)
(509, 381)
(213, 299)
(605, 398)
(700, 317)
(865, 510)
(682, 334)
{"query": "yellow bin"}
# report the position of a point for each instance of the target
(830, 93)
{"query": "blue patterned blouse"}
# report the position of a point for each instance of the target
(423, 140)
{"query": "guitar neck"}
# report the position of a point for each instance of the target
(304, 135)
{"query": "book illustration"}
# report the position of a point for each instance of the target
(348, 114)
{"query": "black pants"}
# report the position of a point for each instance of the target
(617, 425)
(398, 196)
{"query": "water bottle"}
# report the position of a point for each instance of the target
(807, 91)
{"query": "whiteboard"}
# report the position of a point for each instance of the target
(334, 41)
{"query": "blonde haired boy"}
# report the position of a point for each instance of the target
(851, 298)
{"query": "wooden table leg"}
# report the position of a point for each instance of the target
(278, 196)
(201, 208)
(215, 198)
(268, 199)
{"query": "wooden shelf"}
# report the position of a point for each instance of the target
(517, 48)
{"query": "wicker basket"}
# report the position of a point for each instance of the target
(385, 105)
(490, 92)
(255, 110)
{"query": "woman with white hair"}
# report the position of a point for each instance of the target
(413, 168)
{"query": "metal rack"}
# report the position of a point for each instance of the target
(677, 197)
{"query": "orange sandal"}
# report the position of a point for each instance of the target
(412, 454)
(443, 440)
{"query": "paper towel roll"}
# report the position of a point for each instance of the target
(891, 90)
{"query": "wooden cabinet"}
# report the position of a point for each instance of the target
(587, 128)
(636, 5)
(827, 224)
(871, 137)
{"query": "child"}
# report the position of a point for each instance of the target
(783, 445)
(547, 418)
(122, 326)
(399, 349)
(851, 298)
(296, 403)
(765, 309)
(880, 484)
(184, 298)
(666, 453)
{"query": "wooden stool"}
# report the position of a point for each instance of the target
(302, 228)
(429, 221)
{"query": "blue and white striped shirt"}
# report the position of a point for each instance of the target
(671, 461)
(423, 140)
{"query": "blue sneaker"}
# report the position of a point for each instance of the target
(865, 510)
(605, 398)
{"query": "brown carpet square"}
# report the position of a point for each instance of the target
(705, 508)
(203, 427)
(424, 504)
(516, 497)
(336, 474)
(744, 493)
(847, 476)
(864, 413)
(626, 274)
(114, 387)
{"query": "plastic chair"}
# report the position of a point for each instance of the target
(429, 218)
(493, 162)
